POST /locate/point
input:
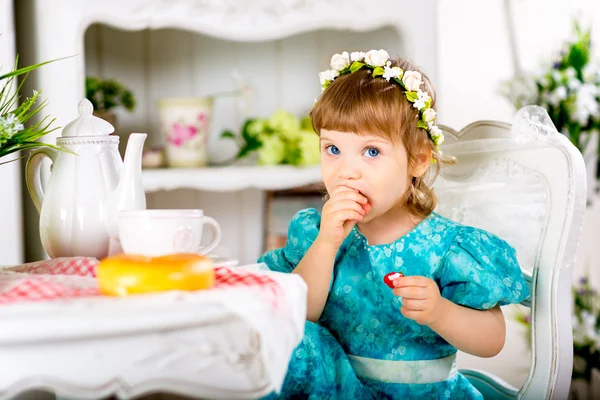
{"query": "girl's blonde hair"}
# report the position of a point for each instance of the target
(361, 104)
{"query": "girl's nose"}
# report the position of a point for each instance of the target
(349, 171)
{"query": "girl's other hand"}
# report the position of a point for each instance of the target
(421, 299)
(345, 207)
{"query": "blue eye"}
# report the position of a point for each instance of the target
(333, 150)
(371, 152)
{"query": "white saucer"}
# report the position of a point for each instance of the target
(223, 261)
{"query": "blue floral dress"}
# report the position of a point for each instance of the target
(362, 321)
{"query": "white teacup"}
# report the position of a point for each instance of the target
(159, 232)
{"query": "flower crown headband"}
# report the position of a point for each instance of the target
(378, 61)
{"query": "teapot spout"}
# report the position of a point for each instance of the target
(133, 155)
(129, 193)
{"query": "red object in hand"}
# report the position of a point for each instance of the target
(389, 278)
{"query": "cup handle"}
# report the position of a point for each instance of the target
(215, 229)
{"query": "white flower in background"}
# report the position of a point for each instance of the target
(521, 91)
(377, 58)
(412, 80)
(9, 126)
(570, 73)
(558, 95)
(340, 61)
(357, 56)
(586, 104)
(543, 81)
(389, 73)
(590, 73)
(429, 115)
(574, 83)
(328, 76)
(585, 330)
(422, 97)
(556, 75)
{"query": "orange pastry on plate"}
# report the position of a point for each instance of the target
(125, 274)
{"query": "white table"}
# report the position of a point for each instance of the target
(211, 344)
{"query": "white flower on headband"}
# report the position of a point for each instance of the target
(389, 73)
(412, 80)
(429, 115)
(340, 61)
(436, 135)
(377, 58)
(422, 98)
(357, 56)
(327, 76)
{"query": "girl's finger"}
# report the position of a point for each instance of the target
(346, 205)
(349, 194)
(347, 215)
(411, 292)
(414, 305)
(407, 281)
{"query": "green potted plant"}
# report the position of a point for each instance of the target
(16, 131)
(106, 94)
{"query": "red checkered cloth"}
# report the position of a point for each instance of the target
(72, 277)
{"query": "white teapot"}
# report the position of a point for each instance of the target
(87, 188)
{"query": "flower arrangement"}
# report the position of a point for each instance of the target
(280, 139)
(378, 61)
(15, 135)
(586, 329)
(568, 88)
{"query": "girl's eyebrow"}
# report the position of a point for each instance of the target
(377, 140)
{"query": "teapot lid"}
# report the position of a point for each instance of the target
(87, 124)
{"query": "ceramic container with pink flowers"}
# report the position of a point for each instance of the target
(185, 127)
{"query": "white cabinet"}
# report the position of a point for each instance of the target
(191, 48)
(11, 226)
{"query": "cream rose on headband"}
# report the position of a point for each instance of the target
(340, 61)
(327, 76)
(377, 58)
(429, 115)
(412, 80)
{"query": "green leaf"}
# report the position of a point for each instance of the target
(24, 70)
(399, 81)
(422, 124)
(245, 134)
(378, 71)
(356, 65)
(227, 135)
(411, 96)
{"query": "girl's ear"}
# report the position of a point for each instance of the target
(423, 162)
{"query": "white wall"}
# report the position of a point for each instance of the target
(11, 230)
(474, 50)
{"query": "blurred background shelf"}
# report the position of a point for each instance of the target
(231, 178)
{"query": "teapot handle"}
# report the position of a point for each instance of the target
(32, 174)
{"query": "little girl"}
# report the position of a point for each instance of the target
(394, 289)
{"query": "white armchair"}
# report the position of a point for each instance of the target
(526, 183)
